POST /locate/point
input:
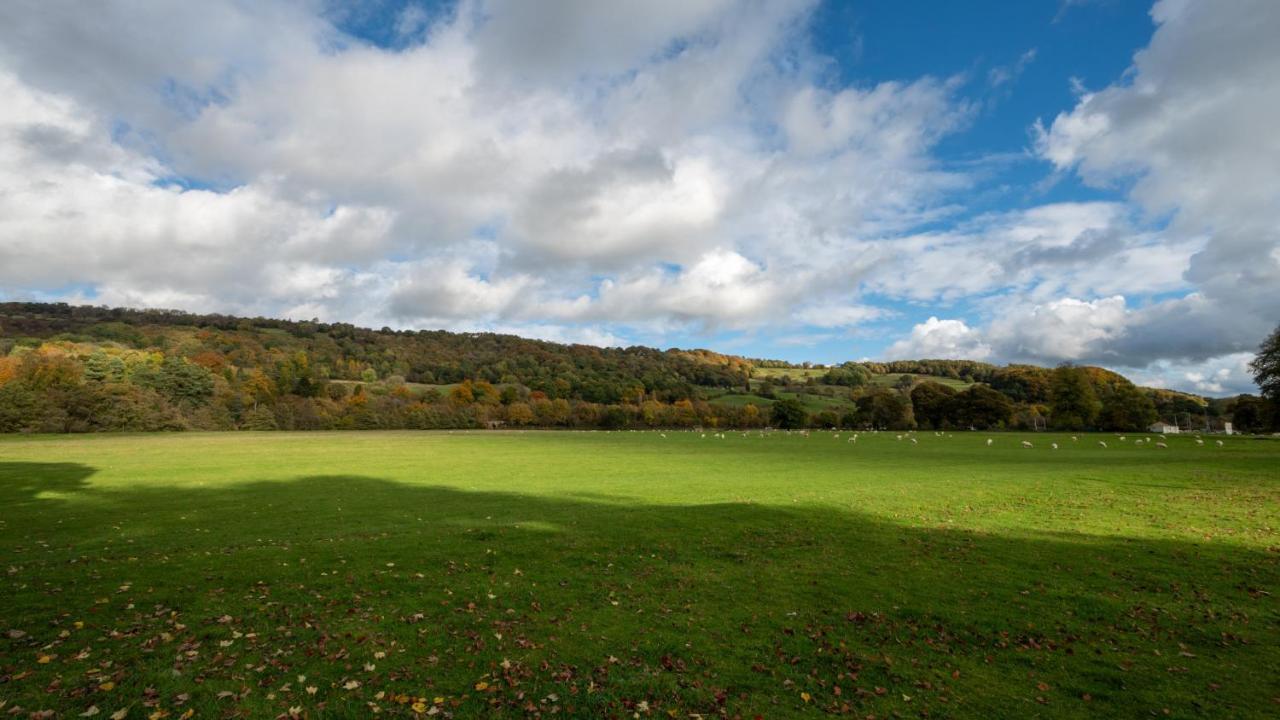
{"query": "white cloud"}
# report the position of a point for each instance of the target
(690, 166)
(1190, 127)
(1065, 329)
(630, 178)
(936, 338)
(1220, 376)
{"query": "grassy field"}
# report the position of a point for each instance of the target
(812, 401)
(797, 374)
(635, 575)
(891, 380)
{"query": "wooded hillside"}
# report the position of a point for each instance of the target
(76, 368)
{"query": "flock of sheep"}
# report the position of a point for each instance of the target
(910, 436)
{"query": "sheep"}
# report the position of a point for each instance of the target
(913, 441)
(899, 437)
(1122, 438)
(1103, 444)
(663, 434)
(1074, 438)
(1219, 442)
(1054, 445)
(1161, 445)
(989, 441)
(1027, 444)
(1199, 441)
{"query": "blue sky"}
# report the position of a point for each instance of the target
(1057, 181)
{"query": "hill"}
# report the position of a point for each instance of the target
(70, 368)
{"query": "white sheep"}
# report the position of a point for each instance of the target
(989, 441)
(1027, 444)
(1219, 442)
(1054, 445)
(1103, 444)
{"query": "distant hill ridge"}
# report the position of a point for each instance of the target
(67, 368)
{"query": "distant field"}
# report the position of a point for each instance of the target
(562, 574)
(793, 373)
(416, 388)
(885, 380)
(891, 380)
(812, 402)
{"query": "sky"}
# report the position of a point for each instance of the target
(1086, 181)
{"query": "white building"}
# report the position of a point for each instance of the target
(1164, 428)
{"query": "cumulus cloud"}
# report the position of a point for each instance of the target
(936, 338)
(625, 177)
(681, 167)
(1188, 130)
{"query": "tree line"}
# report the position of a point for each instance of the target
(82, 369)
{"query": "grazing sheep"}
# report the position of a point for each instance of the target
(1027, 444)
(1161, 445)
(1102, 443)
(1074, 438)
(1054, 445)
(663, 434)
(989, 441)
(1219, 443)
(1121, 438)
(1199, 441)
(913, 441)
(899, 437)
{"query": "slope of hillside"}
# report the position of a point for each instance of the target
(66, 368)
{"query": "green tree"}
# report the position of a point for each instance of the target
(788, 414)
(101, 367)
(259, 418)
(1266, 367)
(1126, 408)
(1075, 404)
(886, 409)
(931, 404)
(981, 407)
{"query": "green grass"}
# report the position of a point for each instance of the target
(797, 374)
(583, 574)
(813, 402)
(891, 380)
(738, 399)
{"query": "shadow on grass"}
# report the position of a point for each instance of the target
(728, 607)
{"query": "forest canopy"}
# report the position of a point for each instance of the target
(67, 368)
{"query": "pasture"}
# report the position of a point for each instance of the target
(628, 574)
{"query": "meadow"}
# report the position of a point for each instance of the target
(638, 574)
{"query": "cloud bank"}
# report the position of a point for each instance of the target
(675, 169)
